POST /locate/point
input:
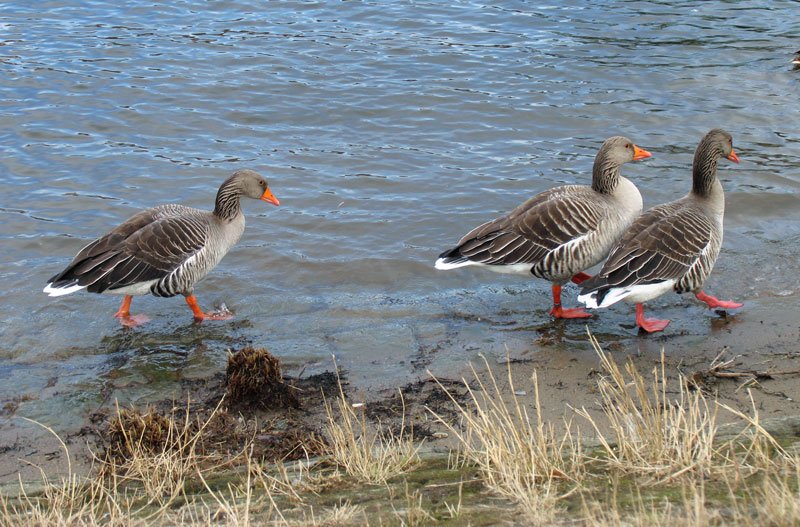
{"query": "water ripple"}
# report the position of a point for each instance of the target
(385, 128)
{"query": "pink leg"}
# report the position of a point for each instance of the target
(713, 302)
(560, 312)
(125, 317)
(581, 278)
(200, 316)
(650, 325)
(125, 309)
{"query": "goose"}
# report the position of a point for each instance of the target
(164, 250)
(672, 246)
(559, 233)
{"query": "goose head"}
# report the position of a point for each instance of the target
(619, 150)
(719, 143)
(253, 185)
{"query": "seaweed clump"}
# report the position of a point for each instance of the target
(253, 379)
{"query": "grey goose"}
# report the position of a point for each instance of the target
(671, 246)
(164, 250)
(558, 233)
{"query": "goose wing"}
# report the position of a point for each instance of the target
(535, 228)
(144, 248)
(663, 244)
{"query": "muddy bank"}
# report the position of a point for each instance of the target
(287, 428)
(757, 345)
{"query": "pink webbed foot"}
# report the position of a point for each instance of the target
(712, 302)
(560, 312)
(200, 316)
(125, 317)
(132, 321)
(574, 312)
(214, 316)
(650, 325)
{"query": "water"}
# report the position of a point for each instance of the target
(386, 130)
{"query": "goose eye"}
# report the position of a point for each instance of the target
(628, 145)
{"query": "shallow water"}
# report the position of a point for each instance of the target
(386, 131)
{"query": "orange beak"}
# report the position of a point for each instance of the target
(733, 157)
(640, 153)
(269, 197)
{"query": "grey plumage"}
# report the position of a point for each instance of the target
(561, 231)
(557, 234)
(164, 250)
(671, 246)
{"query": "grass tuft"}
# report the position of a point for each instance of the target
(519, 455)
(158, 453)
(651, 434)
(370, 455)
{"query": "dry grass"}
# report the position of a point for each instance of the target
(414, 513)
(690, 510)
(520, 457)
(773, 500)
(454, 510)
(69, 501)
(142, 480)
(370, 455)
(344, 514)
(776, 500)
(156, 453)
(661, 461)
(651, 434)
(154, 472)
(754, 450)
(660, 439)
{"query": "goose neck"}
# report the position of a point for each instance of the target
(228, 203)
(605, 176)
(704, 172)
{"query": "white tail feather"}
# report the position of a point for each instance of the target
(519, 268)
(634, 293)
(59, 291)
(589, 300)
(442, 265)
(613, 296)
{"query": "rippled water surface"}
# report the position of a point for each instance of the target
(386, 130)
